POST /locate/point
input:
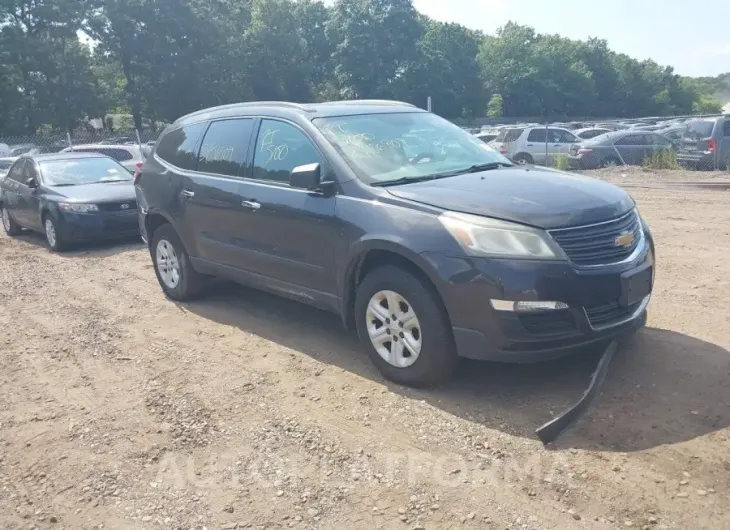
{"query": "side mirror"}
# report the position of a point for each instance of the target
(32, 183)
(306, 177)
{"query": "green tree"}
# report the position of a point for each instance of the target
(446, 69)
(375, 41)
(495, 107)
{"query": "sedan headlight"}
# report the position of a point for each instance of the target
(482, 236)
(78, 207)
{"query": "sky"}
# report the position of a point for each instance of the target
(691, 36)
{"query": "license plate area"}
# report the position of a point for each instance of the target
(635, 285)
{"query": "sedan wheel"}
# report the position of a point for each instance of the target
(6, 220)
(50, 233)
(168, 264)
(394, 329)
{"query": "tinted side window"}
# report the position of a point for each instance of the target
(178, 147)
(225, 147)
(726, 128)
(280, 147)
(632, 139)
(562, 137)
(17, 172)
(658, 139)
(537, 135)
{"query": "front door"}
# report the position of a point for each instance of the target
(289, 233)
(28, 201)
(632, 148)
(559, 142)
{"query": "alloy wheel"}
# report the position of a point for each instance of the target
(50, 232)
(394, 329)
(168, 264)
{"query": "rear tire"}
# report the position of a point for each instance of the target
(610, 161)
(178, 279)
(11, 227)
(418, 342)
(523, 159)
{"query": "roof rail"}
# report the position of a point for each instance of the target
(273, 104)
(368, 102)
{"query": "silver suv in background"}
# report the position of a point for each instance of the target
(534, 145)
(131, 156)
(705, 144)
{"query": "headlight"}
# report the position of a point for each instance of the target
(482, 236)
(78, 207)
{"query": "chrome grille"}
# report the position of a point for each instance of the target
(596, 244)
(131, 205)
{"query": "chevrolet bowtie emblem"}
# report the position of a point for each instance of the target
(624, 240)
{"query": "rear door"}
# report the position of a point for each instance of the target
(212, 193)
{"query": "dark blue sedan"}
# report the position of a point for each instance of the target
(69, 197)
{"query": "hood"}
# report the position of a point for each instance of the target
(94, 193)
(540, 197)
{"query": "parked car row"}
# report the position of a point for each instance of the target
(427, 242)
(699, 143)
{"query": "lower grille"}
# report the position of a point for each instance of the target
(600, 244)
(548, 323)
(610, 313)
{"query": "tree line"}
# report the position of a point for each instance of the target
(159, 59)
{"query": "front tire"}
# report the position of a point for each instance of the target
(404, 328)
(178, 279)
(11, 227)
(53, 236)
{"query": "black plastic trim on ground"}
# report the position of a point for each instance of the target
(558, 425)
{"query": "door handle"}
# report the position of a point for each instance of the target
(530, 145)
(253, 205)
(187, 193)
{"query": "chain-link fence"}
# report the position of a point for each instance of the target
(11, 146)
(698, 142)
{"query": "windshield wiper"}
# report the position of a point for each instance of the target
(476, 168)
(405, 180)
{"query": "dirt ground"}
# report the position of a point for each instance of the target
(121, 409)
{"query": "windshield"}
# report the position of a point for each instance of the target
(386, 147)
(699, 129)
(74, 172)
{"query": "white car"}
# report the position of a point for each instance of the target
(534, 145)
(128, 155)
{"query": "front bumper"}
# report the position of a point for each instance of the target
(595, 314)
(98, 225)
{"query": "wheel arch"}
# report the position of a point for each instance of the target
(371, 254)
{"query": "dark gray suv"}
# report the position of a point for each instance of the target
(420, 236)
(705, 144)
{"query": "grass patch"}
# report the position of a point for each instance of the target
(664, 159)
(561, 162)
